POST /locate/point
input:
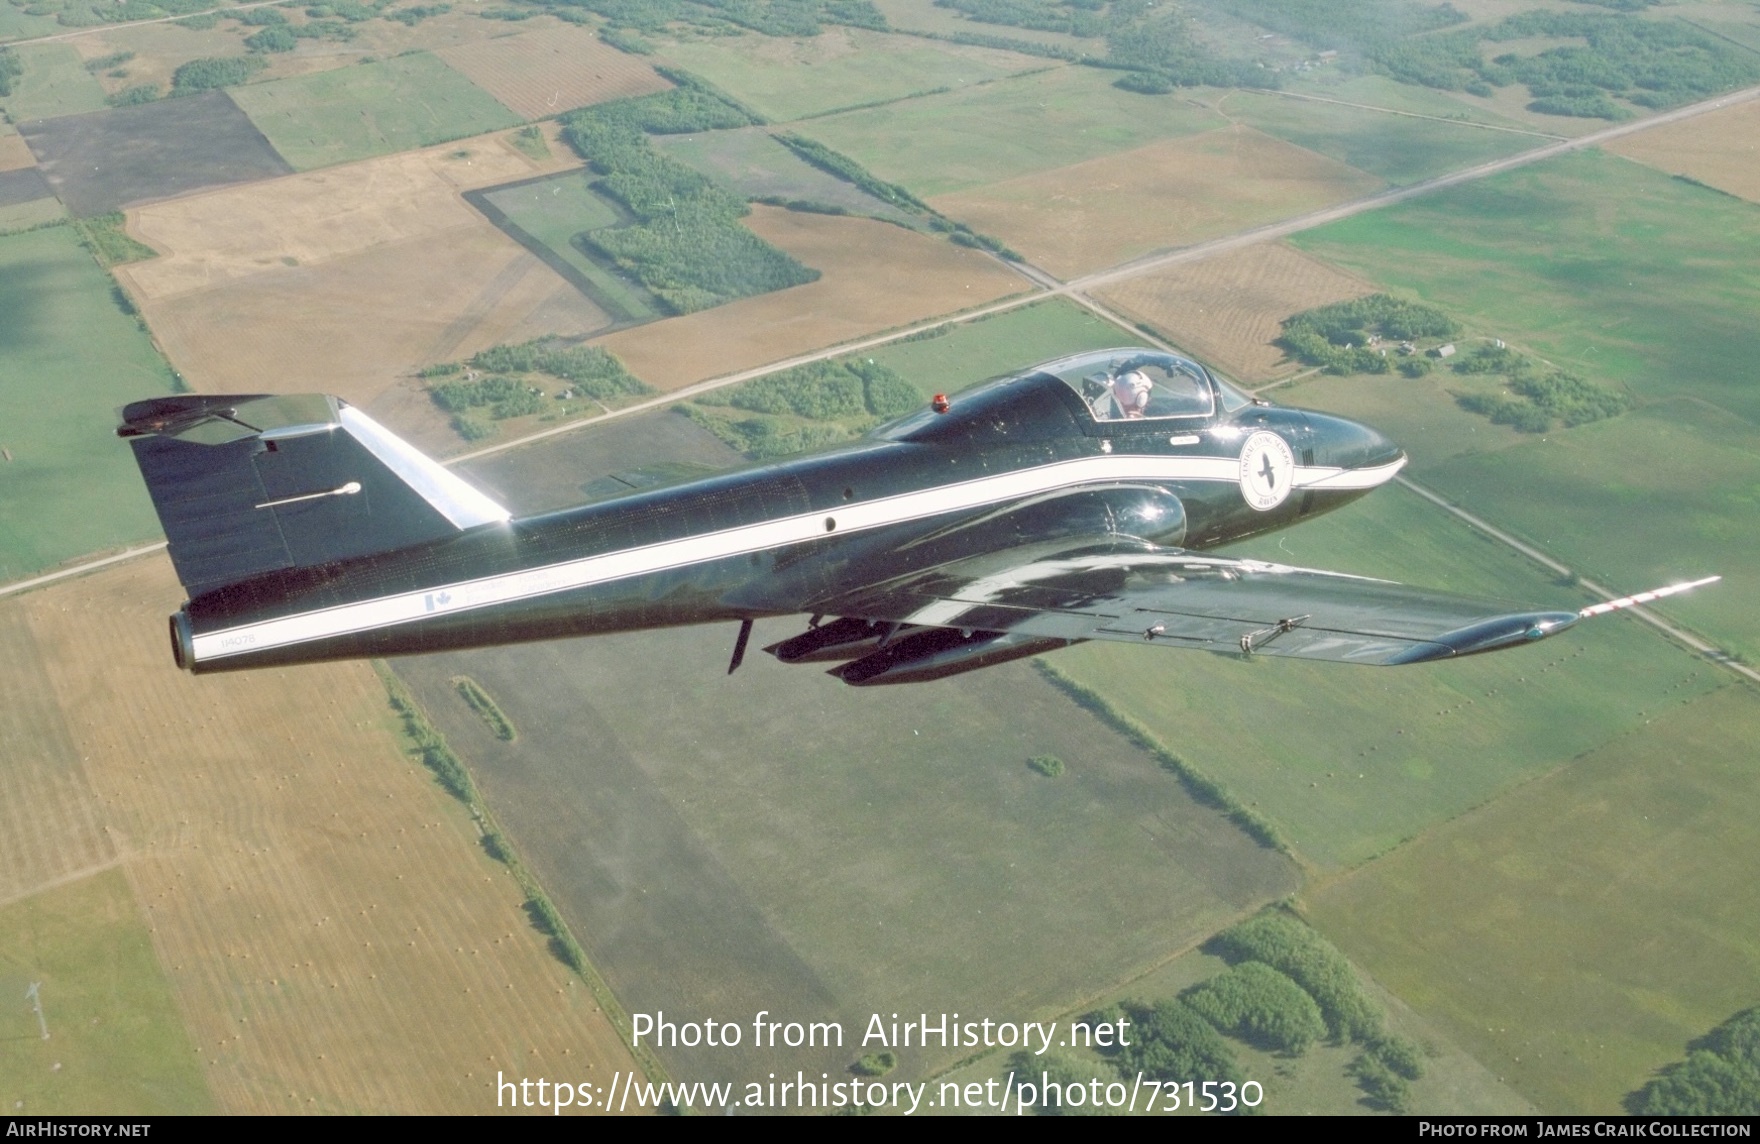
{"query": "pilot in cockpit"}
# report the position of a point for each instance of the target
(1117, 394)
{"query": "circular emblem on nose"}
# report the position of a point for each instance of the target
(1267, 470)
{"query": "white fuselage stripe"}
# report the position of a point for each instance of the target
(406, 607)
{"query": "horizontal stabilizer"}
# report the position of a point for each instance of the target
(246, 485)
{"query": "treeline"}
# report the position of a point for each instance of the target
(1336, 337)
(806, 407)
(841, 166)
(687, 246)
(1347, 26)
(1654, 63)
(207, 74)
(1538, 397)
(82, 14)
(10, 69)
(1720, 1077)
(1286, 988)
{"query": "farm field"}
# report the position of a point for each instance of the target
(1662, 494)
(372, 109)
(875, 276)
(1228, 310)
(784, 79)
(755, 165)
(941, 144)
(1420, 414)
(1721, 149)
(157, 50)
(1601, 265)
(346, 279)
(71, 357)
(1574, 937)
(546, 72)
(334, 936)
(24, 185)
(16, 23)
(548, 213)
(774, 839)
(963, 355)
(105, 160)
(117, 1044)
(15, 154)
(1397, 148)
(54, 82)
(1349, 762)
(1175, 192)
(1379, 91)
(24, 216)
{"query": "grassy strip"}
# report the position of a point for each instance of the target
(431, 747)
(483, 705)
(109, 243)
(1201, 787)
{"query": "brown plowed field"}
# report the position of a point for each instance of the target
(334, 936)
(345, 279)
(552, 70)
(1228, 309)
(14, 154)
(1721, 149)
(876, 276)
(1175, 192)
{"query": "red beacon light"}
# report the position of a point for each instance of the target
(939, 403)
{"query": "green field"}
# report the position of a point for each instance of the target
(1602, 265)
(814, 78)
(1381, 91)
(69, 358)
(23, 216)
(372, 109)
(752, 163)
(1670, 492)
(554, 211)
(1397, 148)
(974, 351)
(55, 82)
(1420, 414)
(1576, 936)
(17, 24)
(1349, 761)
(944, 143)
(116, 1043)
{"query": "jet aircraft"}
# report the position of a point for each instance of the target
(1073, 500)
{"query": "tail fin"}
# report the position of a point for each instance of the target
(256, 483)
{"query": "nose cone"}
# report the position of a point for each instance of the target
(1344, 444)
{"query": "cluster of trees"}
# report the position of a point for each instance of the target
(835, 400)
(687, 246)
(770, 17)
(1288, 945)
(1261, 1006)
(1651, 63)
(10, 69)
(506, 392)
(206, 74)
(1720, 1077)
(84, 14)
(486, 708)
(1087, 18)
(1336, 337)
(1537, 398)
(1048, 765)
(1346, 26)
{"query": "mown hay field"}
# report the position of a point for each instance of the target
(334, 936)
(874, 276)
(1351, 761)
(941, 144)
(1175, 192)
(753, 163)
(1721, 149)
(551, 70)
(15, 153)
(1578, 933)
(787, 78)
(158, 50)
(70, 356)
(359, 112)
(343, 280)
(1229, 310)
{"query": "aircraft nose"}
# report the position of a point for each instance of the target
(1345, 444)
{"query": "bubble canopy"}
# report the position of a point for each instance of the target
(1142, 385)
